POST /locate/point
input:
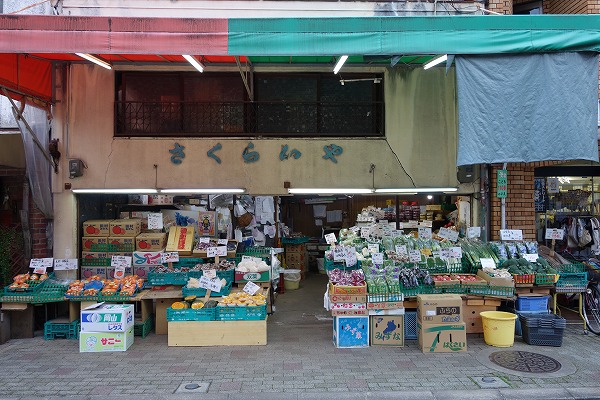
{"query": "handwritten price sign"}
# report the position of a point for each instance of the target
(170, 257)
(555, 234)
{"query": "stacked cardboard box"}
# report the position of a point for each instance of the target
(296, 257)
(386, 313)
(472, 308)
(348, 305)
(106, 327)
(440, 326)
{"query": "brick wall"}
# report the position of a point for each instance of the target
(566, 7)
(501, 6)
(593, 6)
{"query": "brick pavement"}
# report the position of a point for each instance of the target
(298, 362)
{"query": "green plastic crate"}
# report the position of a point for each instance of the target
(61, 329)
(143, 328)
(190, 314)
(421, 289)
(95, 262)
(225, 290)
(545, 279)
(499, 291)
(167, 278)
(236, 313)
(115, 298)
(228, 275)
(49, 295)
(81, 298)
(572, 278)
(331, 265)
(113, 248)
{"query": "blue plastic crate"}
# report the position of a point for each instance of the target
(191, 314)
(532, 303)
(410, 325)
(241, 313)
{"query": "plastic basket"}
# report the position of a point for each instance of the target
(143, 328)
(61, 329)
(295, 240)
(571, 268)
(81, 298)
(454, 268)
(37, 282)
(95, 262)
(518, 329)
(410, 325)
(28, 291)
(17, 298)
(113, 248)
(191, 314)
(49, 295)
(115, 297)
(188, 262)
(167, 278)
(524, 278)
(331, 265)
(498, 291)
(571, 282)
(237, 313)
(542, 329)
(225, 290)
(413, 291)
(545, 279)
(532, 303)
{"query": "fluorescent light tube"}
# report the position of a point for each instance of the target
(435, 61)
(126, 191)
(203, 191)
(339, 64)
(192, 60)
(95, 60)
(416, 190)
(328, 191)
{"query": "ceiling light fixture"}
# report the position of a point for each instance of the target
(115, 191)
(95, 60)
(416, 190)
(192, 60)
(328, 191)
(435, 61)
(204, 191)
(339, 64)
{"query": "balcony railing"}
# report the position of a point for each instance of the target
(276, 119)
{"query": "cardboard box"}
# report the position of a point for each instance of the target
(160, 199)
(351, 332)
(295, 258)
(472, 317)
(88, 272)
(150, 241)
(142, 270)
(385, 305)
(348, 306)
(295, 248)
(493, 281)
(439, 308)
(349, 312)
(126, 242)
(88, 241)
(97, 342)
(339, 289)
(395, 311)
(442, 338)
(470, 279)
(125, 227)
(97, 227)
(297, 265)
(253, 276)
(181, 239)
(387, 330)
(146, 258)
(347, 298)
(104, 317)
(94, 254)
(110, 272)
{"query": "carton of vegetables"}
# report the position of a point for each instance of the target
(347, 282)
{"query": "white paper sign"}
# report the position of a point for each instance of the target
(553, 185)
(170, 257)
(251, 288)
(210, 273)
(210, 284)
(249, 258)
(456, 252)
(120, 261)
(555, 233)
(354, 229)
(373, 248)
(436, 253)
(474, 232)
(414, 256)
(424, 233)
(446, 253)
(222, 241)
(401, 249)
(397, 232)
(488, 263)
(531, 257)
(155, 221)
(216, 251)
(120, 272)
(426, 223)
(65, 264)
(377, 258)
(339, 253)
(351, 257)
(411, 224)
(330, 238)
(452, 235)
(511, 234)
(40, 265)
(204, 239)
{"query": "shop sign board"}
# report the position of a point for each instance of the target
(502, 184)
(553, 185)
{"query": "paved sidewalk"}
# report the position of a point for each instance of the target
(299, 362)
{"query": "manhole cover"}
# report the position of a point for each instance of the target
(524, 361)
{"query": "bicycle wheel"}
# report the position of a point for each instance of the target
(591, 308)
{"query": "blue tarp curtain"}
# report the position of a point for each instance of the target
(526, 108)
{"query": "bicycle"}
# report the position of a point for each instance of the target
(591, 297)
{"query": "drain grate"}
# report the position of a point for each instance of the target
(524, 361)
(193, 387)
(489, 382)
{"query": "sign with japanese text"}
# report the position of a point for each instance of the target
(502, 184)
(65, 264)
(511, 234)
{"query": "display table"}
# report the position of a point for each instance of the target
(164, 299)
(217, 333)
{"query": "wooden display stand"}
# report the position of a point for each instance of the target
(164, 299)
(218, 333)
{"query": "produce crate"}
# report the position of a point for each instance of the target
(236, 313)
(17, 297)
(225, 290)
(380, 293)
(61, 328)
(410, 325)
(413, 291)
(518, 328)
(143, 328)
(525, 278)
(499, 291)
(115, 297)
(545, 279)
(167, 278)
(28, 291)
(95, 262)
(542, 329)
(81, 298)
(191, 314)
(49, 295)
(37, 282)
(295, 240)
(532, 303)
(572, 278)
(113, 248)
(331, 265)
(455, 268)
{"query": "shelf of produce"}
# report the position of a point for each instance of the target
(217, 333)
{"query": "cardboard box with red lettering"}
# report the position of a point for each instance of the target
(89, 243)
(442, 338)
(121, 243)
(125, 227)
(97, 227)
(88, 272)
(150, 241)
(181, 239)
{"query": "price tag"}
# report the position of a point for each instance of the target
(204, 239)
(401, 225)
(555, 233)
(216, 251)
(553, 185)
(401, 249)
(474, 232)
(351, 257)
(222, 241)
(40, 265)
(414, 256)
(155, 221)
(397, 233)
(169, 257)
(210, 273)
(364, 232)
(373, 248)
(427, 224)
(446, 253)
(251, 288)
(424, 233)
(354, 229)
(330, 238)
(387, 230)
(210, 284)
(65, 264)
(436, 253)
(377, 258)
(383, 221)
(120, 261)
(488, 263)
(511, 234)
(411, 224)
(452, 235)
(120, 272)
(531, 257)
(456, 252)
(339, 253)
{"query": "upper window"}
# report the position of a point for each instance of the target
(216, 104)
(534, 7)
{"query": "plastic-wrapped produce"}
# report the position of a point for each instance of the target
(521, 248)
(532, 247)
(388, 243)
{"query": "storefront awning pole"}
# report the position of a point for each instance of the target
(244, 78)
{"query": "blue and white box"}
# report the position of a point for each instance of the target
(351, 332)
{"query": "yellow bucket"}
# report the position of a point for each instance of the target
(498, 328)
